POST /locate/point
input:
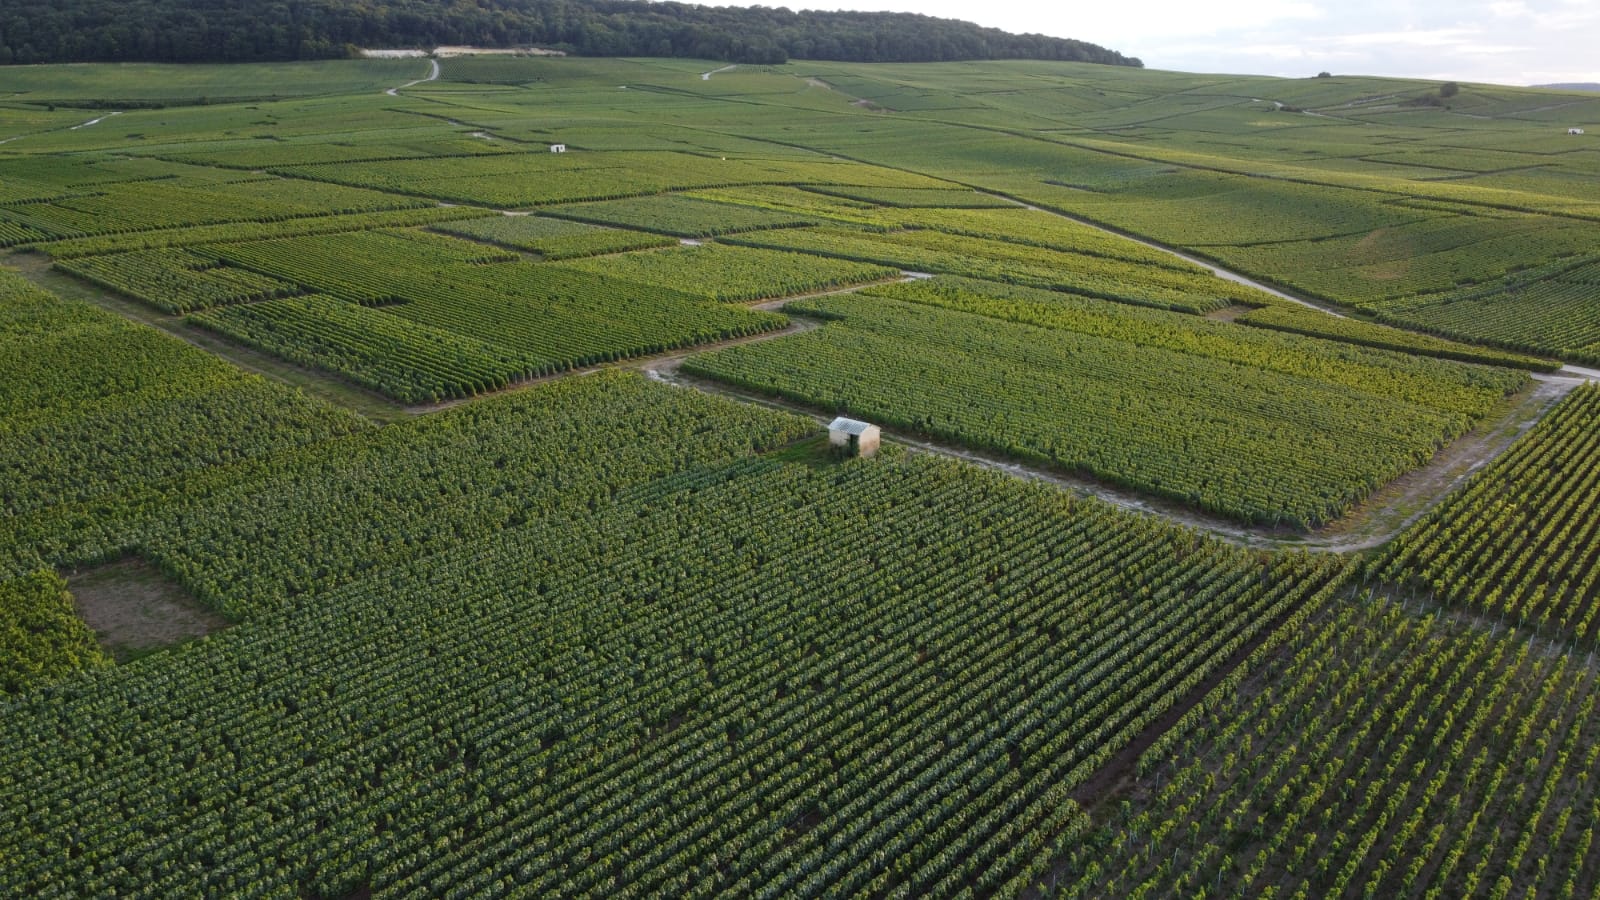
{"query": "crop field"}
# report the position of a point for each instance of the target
(1377, 761)
(134, 408)
(737, 724)
(1519, 544)
(391, 506)
(678, 215)
(732, 273)
(554, 238)
(452, 318)
(1091, 389)
(1169, 287)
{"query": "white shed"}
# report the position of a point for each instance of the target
(1574, 131)
(854, 438)
(558, 148)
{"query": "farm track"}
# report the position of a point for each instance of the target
(95, 121)
(433, 75)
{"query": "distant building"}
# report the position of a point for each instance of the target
(558, 148)
(853, 437)
(1574, 131)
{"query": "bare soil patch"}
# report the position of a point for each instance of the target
(1230, 312)
(134, 608)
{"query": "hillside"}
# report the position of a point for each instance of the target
(417, 479)
(38, 31)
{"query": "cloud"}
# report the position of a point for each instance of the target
(1446, 41)
(1507, 41)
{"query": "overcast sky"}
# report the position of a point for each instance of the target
(1501, 41)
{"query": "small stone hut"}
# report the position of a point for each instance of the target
(853, 437)
(1574, 131)
(558, 148)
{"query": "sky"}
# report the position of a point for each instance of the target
(1498, 41)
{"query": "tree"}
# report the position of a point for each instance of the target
(1324, 74)
(1449, 89)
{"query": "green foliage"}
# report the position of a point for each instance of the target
(176, 281)
(730, 274)
(1251, 424)
(613, 638)
(91, 405)
(187, 31)
(1550, 310)
(678, 215)
(41, 637)
(554, 238)
(148, 205)
(1396, 268)
(1520, 542)
(1303, 320)
(1036, 228)
(513, 180)
(258, 536)
(767, 663)
(251, 231)
(487, 318)
(935, 198)
(130, 85)
(1189, 288)
(1391, 756)
(408, 361)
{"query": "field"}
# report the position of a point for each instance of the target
(1278, 431)
(390, 506)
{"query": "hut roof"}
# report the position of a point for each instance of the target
(849, 426)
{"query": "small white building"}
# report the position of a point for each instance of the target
(1574, 131)
(854, 438)
(558, 148)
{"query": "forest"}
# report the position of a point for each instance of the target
(40, 31)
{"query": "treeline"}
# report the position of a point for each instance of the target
(41, 31)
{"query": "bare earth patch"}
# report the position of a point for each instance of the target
(133, 608)
(1231, 312)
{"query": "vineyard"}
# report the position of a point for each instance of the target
(391, 506)
(451, 318)
(43, 639)
(133, 409)
(678, 711)
(1302, 320)
(726, 273)
(1379, 758)
(1519, 544)
(553, 238)
(1107, 393)
(177, 280)
(1191, 290)
(678, 215)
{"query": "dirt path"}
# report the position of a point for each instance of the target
(433, 75)
(134, 608)
(95, 121)
(1398, 504)
(706, 76)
